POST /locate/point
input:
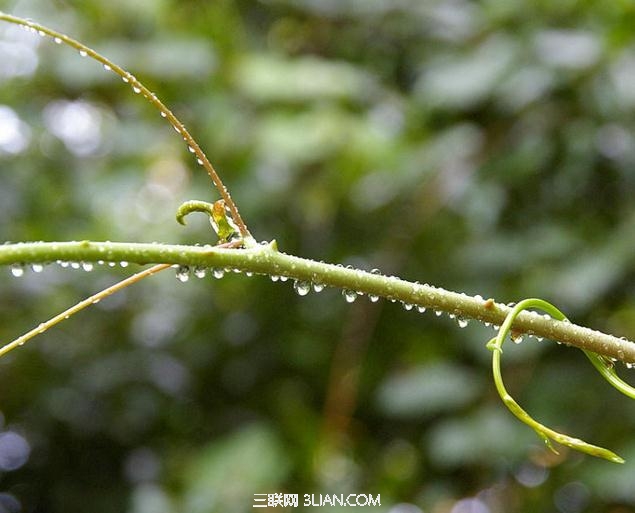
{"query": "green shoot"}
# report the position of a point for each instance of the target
(547, 434)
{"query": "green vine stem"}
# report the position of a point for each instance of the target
(266, 259)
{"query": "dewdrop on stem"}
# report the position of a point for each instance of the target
(318, 287)
(516, 338)
(349, 295)
(200, 272)
(302, 288)
(182, 273)
(17, 270)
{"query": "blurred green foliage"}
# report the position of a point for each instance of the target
(486, 147)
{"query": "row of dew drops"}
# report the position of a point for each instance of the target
(18, 270)
(301, 287)
(304, 287)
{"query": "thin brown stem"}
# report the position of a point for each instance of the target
(94, 299)
(139, 88)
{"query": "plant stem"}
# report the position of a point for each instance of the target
(266, 259)
(95, 298)
(139, 88)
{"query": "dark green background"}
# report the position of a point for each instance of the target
(486, 147)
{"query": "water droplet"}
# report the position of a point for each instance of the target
(37, 268)
(17, 270)
(274, 277)
(462, 322)
(163, 114)
(63, 264)
(284, 278)
(123, 263)
(95, 301)
(107, 67)
(407, 306)
(249, 274)
(183, 273)
(112, 264)
(421, 309)
(58, 40)
(516, 339)
(83, 53)
(302, 288)
(438, 313)
(199, 162)
(200, 272)
(87, 266)
(318, 287)
(373, 298)
(349, 295)
(192, 150)
(75, 265)
(136, 89)
(218, 273)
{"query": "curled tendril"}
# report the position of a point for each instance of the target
(545, 433)
(220, 218)
(193, 206)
